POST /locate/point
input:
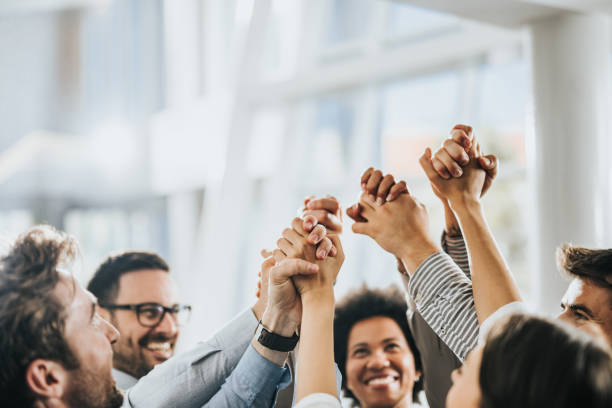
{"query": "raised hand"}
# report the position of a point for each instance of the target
(329, 268)
(399, 227)
(326, 211)
(381, 188)
(460, 149)
(456, 190)
(294, 241)
(295, 244)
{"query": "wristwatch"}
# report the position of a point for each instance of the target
(276, 342)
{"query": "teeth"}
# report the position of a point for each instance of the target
(381, 381)
(158, 346)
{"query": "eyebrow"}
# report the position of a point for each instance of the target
(387, 340)
(579, 308)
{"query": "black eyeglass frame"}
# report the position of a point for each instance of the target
(137, 308)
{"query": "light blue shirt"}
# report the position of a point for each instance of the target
(254, 383)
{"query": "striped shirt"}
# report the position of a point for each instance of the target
(441, 291)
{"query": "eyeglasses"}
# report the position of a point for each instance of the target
(152, 314)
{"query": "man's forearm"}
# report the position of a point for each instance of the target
(493, 283)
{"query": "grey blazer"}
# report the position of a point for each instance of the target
(189, 380)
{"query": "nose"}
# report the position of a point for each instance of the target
(168, 325)
(565, 316)
(111, 333)
(378, 360)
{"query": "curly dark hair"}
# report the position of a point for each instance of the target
(105, 282)
(32, 317)
(532, 362)
(365, 303)
(594, 264)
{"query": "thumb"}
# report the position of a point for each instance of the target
(489, 164)
(427, 166)
(292, 267)
(361, 228)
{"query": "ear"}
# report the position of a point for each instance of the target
(47, 379)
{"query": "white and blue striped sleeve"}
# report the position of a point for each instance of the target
(443, 295)
(455, 247)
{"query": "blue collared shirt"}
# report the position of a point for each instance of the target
(254, 383)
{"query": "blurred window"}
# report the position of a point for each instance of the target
(12, 224)
(281, 46)
(407, 22)
(101, 232)
(416, 113)
(348, 21)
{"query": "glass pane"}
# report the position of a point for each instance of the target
(13, 223)
(328, 139)
(502, 106)
(281, 46)
(416, 113)
(348, 21)
(404, 20)
(103, 231)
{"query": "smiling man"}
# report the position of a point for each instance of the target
(138, 296)
(55, 349)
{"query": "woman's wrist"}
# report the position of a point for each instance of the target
(465, 203)
(320, 297)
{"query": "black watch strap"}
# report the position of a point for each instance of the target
(276, 342)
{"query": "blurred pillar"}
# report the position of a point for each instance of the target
(571, 65)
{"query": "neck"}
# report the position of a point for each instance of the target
(49, 403)
(405, 402)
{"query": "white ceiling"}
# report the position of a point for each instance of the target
(511, 13)
(10, 7)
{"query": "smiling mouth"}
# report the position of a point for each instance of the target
(382, 380)
(159, 346)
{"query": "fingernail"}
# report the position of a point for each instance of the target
(458, 172)
(333, 251)
(487, 162)
(310, 205)
(315, 237)
(363, 186)
(379, 201)
(308, 224)
(312, 268)
(321, 253)
(371, 197)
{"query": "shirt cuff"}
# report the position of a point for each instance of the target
(257, 376)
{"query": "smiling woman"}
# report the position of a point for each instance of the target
(375, 350)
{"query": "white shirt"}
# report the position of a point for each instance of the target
(319, 400)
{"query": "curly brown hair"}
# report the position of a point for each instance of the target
(365, 303)
(32, 318)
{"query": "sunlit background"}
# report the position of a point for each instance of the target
(195, 128)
